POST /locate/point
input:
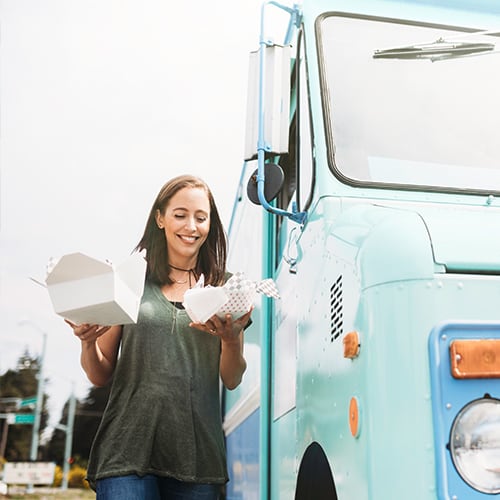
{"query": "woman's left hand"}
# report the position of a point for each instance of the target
(227, 329)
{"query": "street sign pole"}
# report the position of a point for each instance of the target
(39, 399)
(69, 439)
(3, 443)
(38, 404)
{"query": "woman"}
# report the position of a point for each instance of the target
(161, 434)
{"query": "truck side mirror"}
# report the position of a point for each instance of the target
(273, 182)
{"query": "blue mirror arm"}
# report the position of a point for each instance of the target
(299, 217)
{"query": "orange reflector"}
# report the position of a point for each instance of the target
(351, 345)
(475, 358)
(354, 417)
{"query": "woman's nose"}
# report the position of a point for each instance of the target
(191, 224)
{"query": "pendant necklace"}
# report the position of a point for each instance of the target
(179, 282)
(189, 271)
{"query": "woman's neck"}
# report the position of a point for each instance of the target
(183, 265)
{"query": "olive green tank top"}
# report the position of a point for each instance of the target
(163, 415)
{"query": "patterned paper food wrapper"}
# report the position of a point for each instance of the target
(235, 297)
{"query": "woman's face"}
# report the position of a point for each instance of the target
(186, 222)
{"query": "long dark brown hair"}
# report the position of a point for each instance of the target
(213, 252)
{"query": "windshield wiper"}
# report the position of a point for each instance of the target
(440, 49)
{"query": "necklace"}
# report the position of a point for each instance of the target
(189, 271)
(179, 282)
(180, 269)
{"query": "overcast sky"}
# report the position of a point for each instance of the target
(101, 102)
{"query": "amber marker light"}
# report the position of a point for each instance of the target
(354, 423)
(475, 358)
(351, 345)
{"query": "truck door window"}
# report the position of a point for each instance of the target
(304, 139)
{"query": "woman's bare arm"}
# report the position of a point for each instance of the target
(232, 364)
(99, 353)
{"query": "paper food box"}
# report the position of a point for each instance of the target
(86, 290)
(235, 297)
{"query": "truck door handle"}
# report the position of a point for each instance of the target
(290, 254)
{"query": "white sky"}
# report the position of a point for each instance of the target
(101, 102)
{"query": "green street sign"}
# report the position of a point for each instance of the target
(24, 418)
(27, 402)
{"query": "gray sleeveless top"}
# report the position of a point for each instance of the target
(163, 416)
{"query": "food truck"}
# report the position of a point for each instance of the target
(370, 194)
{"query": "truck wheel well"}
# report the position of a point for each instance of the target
(315, 478)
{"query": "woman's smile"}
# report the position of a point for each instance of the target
(188, 239)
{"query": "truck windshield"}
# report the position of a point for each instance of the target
(411, 104)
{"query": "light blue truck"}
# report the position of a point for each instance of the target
(370, 193)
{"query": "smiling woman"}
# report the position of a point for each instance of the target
(167, 362)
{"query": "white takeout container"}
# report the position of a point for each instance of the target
(86, 290)
(239, 303)
(202, 303)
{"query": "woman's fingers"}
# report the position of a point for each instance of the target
(226, 327)
(86, 332)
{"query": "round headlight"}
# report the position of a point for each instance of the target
(475, 444)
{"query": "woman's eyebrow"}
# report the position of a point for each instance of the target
(199, 211)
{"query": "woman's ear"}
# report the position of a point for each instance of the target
(159, 219)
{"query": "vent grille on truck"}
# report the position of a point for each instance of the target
(336, 309)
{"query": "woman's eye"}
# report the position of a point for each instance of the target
(202, 219)
(179, 216)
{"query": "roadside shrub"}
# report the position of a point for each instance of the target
(57, 477)
(76, 478)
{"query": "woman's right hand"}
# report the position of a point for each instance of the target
(100, 346)
(86, 332)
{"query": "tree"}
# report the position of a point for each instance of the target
(87, 420)
(22, 383)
